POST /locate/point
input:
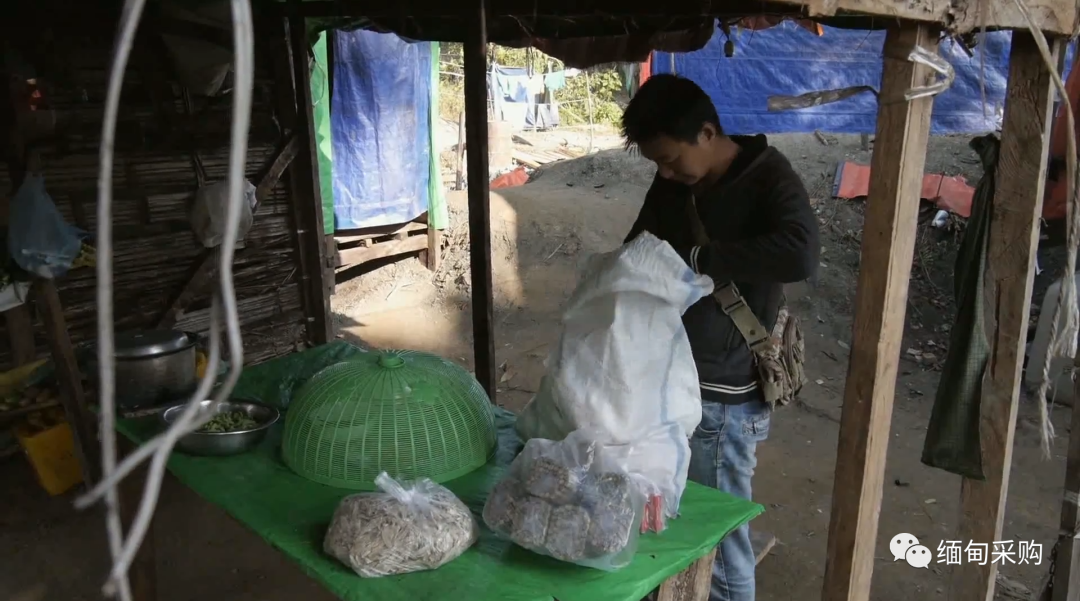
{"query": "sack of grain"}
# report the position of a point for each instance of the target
(404, 528)
(572, 500)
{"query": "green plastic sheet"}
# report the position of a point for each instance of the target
(324, 147)
(292, 514)
(437, 213)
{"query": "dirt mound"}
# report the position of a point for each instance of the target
(601, 168)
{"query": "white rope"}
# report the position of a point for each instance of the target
(224, 299)
(1062, 336)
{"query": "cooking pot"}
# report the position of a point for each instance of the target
(153, 367)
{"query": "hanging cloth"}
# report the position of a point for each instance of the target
(952, 439)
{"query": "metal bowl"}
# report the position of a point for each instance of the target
(224, 443)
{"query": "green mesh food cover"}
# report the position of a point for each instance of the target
(410, 414)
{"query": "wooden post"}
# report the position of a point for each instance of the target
(476, 130)
(1014, 231)
(20, 328)
(888, 244)
(589, 107)
(459, 183)
(304, 180)
(691, 584)
(68, 377)
(1065, 585)
(1065, 582)
(433, 254)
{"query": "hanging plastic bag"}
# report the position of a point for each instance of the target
(572, 500)
(13, 294)
(623, 364)
(208, 214)
(39, 240)
(404, 528)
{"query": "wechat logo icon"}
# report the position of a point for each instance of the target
(906, 547)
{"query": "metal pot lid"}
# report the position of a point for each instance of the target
(148, 343)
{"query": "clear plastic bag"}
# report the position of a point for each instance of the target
(39, 240)
(208, 214)
(572, 500)
(406, 528)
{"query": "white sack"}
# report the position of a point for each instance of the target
(623, 364)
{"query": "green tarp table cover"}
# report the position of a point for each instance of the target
(292, 515)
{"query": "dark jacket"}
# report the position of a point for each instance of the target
(763, 234)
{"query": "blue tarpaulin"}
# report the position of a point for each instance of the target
(380, 120)
(789, 60)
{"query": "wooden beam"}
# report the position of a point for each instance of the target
(1065, 583)
(433, 256)
(352, 235)
(1058, 16)
(558, 8)
(307, 193)
(691, 584)
(206, 266)
(68, 377)
(888, 244)
(20, 329)
(476, 128)
(363, 254)
(459, 178)
(1010, 271)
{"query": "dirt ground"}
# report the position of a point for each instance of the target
(540, 234)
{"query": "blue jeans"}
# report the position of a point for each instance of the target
(723, 455)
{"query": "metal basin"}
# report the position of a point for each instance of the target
(224, 443)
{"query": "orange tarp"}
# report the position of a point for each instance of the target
(951, 193)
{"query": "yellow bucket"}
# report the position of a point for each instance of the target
(52, 453)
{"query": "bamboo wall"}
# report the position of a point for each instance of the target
(160, 134)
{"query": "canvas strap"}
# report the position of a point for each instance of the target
(730, 300)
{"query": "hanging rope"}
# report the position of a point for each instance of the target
(123, 550)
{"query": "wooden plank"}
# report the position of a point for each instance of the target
(272, 174)
(459, 178)
(1065, 583)
(888, 244)
(528, 161)
(1010, 271)
(68, 377)
(434, 249)
(307, 192)
(1056, 16)
(691, 584)
(206, 265)
(355, 235)
(20, 329)
(363, 254)
(476, 128)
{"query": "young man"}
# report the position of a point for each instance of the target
(762, 234)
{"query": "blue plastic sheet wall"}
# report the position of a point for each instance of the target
(380, 123)
(788, 60)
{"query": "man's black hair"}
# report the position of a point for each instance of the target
(668, 105)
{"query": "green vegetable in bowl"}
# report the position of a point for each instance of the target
(230, 421)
